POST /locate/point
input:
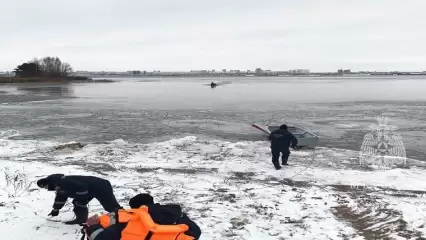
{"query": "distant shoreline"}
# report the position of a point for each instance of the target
(251, 76)
(112, 78)
(71, 79)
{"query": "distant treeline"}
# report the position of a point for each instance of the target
(43, 67)
(46, 69)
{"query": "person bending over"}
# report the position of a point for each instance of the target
(82, 189)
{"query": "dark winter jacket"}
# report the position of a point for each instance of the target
(81, 188)
(113, 232)
(282, 139)
(161, 214)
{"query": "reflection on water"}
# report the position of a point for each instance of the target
(34, 92)
(63, 90)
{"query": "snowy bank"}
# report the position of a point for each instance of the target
(230, 189)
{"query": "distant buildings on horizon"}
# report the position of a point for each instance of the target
(236, 72)
(232, 72)
(6, 74)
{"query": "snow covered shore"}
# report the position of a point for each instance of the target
(230, 189)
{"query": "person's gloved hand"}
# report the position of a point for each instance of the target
(54, 213)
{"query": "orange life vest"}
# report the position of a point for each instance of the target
(142, 227)
(123, 216)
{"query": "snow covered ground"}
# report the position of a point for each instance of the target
(230, 189)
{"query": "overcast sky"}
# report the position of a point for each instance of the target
(321, 35)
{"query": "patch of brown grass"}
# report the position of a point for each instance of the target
(370, 215)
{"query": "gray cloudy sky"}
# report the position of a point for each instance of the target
(322, 35)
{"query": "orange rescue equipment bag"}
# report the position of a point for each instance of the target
(142, 227)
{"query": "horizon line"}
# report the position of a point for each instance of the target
(228, 70)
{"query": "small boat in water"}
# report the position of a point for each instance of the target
(304, 137)
(214, 84)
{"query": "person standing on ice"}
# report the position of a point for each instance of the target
(281, 140)
(83, 189)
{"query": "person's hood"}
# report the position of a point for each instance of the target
(165, 214)
(55, 178)
(52, 181)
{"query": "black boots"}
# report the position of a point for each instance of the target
(277, 166)
(81, 215)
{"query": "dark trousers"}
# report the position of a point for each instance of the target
(276, 155)
(106, 198)
(112, 232)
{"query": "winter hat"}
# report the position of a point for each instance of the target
(141, 199)
(51, 181)
(42, 182)
(283, 126)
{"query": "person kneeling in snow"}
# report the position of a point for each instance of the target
(145, 220)
(83, 189)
